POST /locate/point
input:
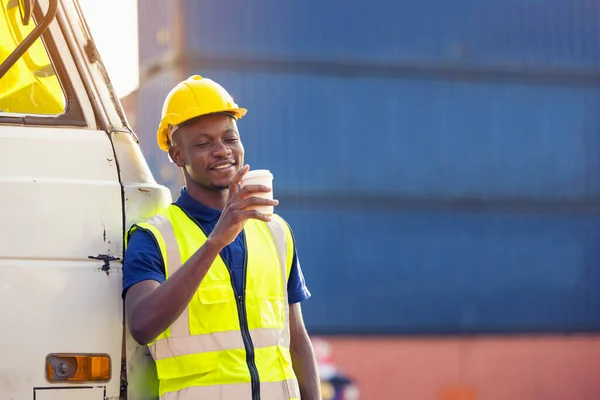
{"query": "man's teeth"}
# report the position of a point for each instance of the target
(223, 166)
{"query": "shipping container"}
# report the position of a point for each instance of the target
(492, 229)
(150, 97)
(413, 138)
(438, 161)
(384, 33)
(394, 271)
(156, 30)
(471, 368)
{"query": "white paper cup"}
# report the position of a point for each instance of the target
(260, 177)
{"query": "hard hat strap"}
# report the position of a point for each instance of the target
(171, 130)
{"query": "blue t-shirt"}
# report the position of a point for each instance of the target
(143, 261)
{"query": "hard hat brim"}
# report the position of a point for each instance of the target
(163, 133)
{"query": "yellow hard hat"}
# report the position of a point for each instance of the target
(192, 98)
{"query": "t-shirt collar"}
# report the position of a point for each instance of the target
(196, 209)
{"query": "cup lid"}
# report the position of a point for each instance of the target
(258, 173)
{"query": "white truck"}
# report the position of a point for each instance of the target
(72, 179)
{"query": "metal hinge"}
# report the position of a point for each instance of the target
(106, 258)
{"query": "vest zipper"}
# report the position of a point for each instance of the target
(240, 301)
(241, 306)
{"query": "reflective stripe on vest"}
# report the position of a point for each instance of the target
(180, 342)
(268, 391)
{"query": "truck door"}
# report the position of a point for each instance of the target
(61, 213)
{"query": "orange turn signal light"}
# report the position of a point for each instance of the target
(61, 368)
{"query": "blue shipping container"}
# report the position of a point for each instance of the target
(438, 161)
(384, 272)
(418, 138)
(501, 33)
(158, 31)
(150, 97)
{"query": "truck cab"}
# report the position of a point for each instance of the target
(72, 178)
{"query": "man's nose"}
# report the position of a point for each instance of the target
(221, 150)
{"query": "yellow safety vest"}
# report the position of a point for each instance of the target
(225, 346)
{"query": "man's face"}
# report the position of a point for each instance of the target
(209, 149)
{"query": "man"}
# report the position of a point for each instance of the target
(207, 281)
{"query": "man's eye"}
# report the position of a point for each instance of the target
(202, 144)
(231, 140)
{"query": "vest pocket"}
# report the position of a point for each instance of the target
(213, 309)
(201, 365)
(271, 311)
(214, 294)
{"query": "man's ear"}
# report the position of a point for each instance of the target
(175, 154)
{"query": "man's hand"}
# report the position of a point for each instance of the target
(236, 212)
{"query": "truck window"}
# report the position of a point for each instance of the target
(31, 85)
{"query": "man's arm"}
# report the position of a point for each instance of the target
(303, 356)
